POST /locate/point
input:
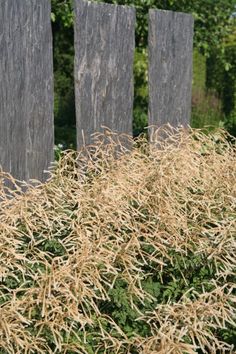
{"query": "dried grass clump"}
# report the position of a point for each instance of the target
(124, 252)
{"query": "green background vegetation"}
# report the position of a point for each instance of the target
(214, 64)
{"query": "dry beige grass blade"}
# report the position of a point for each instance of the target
(173, 324)
(108, 214)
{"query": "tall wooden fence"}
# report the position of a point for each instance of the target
(104, 53)
(26, 88)
(170, 67)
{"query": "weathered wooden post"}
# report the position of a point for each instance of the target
(104, 50)
(170, 67)
(26, 88)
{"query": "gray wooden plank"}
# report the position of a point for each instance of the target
(104, 51)
(170, 67)
(26, 88)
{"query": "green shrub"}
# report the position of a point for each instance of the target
(124, 252)
(221, 76)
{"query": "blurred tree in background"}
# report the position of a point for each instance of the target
(63, 46)
(214, 63)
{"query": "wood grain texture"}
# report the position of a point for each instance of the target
(26, 88)
(104, 51)
(170, 67)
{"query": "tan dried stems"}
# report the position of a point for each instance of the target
(103, 208)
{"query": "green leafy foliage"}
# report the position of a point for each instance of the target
(64, 101)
